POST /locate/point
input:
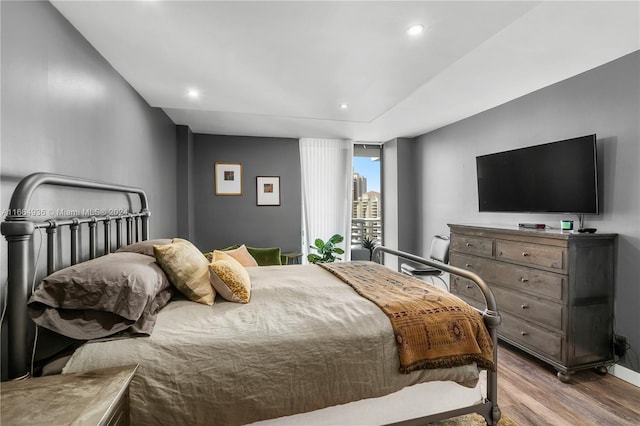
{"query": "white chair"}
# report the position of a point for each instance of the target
(439, 253)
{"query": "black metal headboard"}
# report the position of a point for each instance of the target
(18, 228)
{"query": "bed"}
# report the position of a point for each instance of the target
(309, 347)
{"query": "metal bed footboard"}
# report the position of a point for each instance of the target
(489, 408)
(18, 229)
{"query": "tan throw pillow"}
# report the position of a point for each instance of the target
(230, 278)
(242, 255)
(187, 269)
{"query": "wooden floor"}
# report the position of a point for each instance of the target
(529, 393)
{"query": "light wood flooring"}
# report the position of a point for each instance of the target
(529, 393)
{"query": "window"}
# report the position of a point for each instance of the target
(366, 215)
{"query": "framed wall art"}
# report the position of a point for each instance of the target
(268, 190)
(228, 179)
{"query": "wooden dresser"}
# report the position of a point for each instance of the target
(554, 290)
(99, 397)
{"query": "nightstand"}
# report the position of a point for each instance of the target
(98, 397)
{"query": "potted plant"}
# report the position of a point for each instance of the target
(369, 244)
(326, 250)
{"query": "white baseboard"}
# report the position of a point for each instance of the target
(625, 374)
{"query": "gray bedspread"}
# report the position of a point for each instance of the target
(305, 341)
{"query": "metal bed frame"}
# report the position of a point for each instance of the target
(19, 227)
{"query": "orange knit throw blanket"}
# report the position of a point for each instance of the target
(433, 328)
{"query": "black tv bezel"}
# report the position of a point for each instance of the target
(592, 139)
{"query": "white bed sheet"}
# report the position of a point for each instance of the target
(412, 402)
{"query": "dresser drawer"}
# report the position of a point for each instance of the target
(521, 278)
(467, 291)
(478, 265)
(530, 280)
(529, 308)
(529, 335)
(479, 246)
(532, 254)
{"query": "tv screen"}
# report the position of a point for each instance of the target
(556, 177)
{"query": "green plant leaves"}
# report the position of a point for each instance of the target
(326, 250)
(336, 239)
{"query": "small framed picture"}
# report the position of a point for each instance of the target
(228, 179)
(268, 190)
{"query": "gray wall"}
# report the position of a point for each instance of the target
(186, 220)
(66, 110)
(604, 101)
(407, 194)
(225, 220)
(390, 222)
(399, 195)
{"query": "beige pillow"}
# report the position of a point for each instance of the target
(242, 255)
(230, 278)
(187, 269)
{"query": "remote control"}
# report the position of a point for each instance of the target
(589, 230)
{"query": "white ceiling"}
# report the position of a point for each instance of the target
(268, 68)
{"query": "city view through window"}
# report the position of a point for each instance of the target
(366, 215)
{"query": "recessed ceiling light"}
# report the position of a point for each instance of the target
(193, 93)
(343, 106)
(415, 30)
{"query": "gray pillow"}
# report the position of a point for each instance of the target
(144, 247)
(100, 297)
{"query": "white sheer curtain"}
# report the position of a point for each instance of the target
(327, 175)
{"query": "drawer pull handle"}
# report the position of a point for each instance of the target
(468, 245)
(525, 254)
(524, 280)
(524, 306)
(468, 286)
(468, 265)
(524, 333)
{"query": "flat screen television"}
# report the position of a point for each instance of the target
(556, 177)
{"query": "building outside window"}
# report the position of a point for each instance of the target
(366, 217)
